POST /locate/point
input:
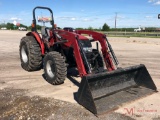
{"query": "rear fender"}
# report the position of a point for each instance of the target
(39, 40)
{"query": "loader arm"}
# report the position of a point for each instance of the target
(106, 91)
(105, 50)
(73, 42)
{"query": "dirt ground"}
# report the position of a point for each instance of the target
(26, 95)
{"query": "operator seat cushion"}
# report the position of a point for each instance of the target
(45, 32)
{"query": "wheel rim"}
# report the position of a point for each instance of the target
(50, 69)
(24, 55)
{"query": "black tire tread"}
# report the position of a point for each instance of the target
(60, 67)
(34, 54)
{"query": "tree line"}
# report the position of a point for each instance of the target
(11, 26)
(105, 27)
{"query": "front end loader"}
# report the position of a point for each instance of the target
(104, 86)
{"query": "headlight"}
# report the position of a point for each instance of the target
(87, 49)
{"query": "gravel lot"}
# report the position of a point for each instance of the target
(26, 95)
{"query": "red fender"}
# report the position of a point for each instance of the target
(39, 40)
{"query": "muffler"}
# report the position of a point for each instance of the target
(104, 92)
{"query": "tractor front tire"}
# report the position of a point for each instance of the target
(55, 69)
(30, 54)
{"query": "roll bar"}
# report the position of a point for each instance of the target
(34, 17)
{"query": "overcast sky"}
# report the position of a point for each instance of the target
(85, 13)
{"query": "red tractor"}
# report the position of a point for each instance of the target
(103, 87)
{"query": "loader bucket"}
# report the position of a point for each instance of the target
(104, 92)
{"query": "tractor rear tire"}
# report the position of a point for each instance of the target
(55, 69)
(30, 54)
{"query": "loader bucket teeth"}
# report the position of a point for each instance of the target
(104, 92)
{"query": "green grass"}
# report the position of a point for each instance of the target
(133, 34)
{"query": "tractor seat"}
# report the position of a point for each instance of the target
(45, 33)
